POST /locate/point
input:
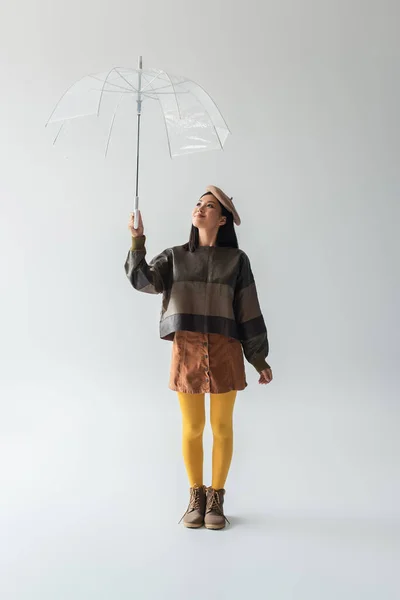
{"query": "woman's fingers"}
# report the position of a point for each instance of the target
(265, 376)
(138, 230)
(140, 222)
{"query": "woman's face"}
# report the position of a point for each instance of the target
(207, 213)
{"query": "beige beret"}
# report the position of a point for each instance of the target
(225, 201)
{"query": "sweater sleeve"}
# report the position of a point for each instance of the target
(249, 319)
(152, 277)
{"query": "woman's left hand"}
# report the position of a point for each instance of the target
(265, 376)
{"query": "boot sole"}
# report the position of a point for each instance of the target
(214, 527)
(193, 525)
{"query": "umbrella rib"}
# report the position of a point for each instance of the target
(102, 90)
(63, 96)
(124, 78)
(126, 91)
(157, 77)
(165, 87)
(212, 122)
(176, 99)
(112, 123)
(148, 94)
(212, 100)
(150, 82)
(166, 128)
(167, 93)
(165, 123)
(109, 83)
(59, 131)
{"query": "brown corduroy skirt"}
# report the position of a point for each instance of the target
(206, 363)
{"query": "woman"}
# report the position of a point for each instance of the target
(210, 311)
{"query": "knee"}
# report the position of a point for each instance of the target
(193, 431)
(222, 430)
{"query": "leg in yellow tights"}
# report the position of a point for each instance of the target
(193, 421)
(221, 417)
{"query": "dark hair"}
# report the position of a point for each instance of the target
(226, 236)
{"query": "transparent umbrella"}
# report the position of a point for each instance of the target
(192, 120)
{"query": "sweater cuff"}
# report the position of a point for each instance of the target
(138, 243)
(260, 364)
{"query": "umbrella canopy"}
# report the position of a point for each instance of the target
(192, 120)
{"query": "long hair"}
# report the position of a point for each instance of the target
(226, 236)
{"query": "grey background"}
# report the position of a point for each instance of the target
(92, 480)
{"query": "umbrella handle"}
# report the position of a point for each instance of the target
(136, 213)
(136, 219)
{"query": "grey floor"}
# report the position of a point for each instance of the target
(113, 546)
(92, 490)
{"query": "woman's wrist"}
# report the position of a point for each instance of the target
(138, 242)
(260, 364)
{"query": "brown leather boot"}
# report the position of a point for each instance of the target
(194, 515)
(214, 517)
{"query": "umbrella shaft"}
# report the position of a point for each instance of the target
(137, 155)
(139, 114)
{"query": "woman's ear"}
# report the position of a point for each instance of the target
(223, 221)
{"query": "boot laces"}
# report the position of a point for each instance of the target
(194, 501)
(214, 504)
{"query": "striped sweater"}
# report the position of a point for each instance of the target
(210, 290)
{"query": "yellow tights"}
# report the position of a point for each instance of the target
(193, 422)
